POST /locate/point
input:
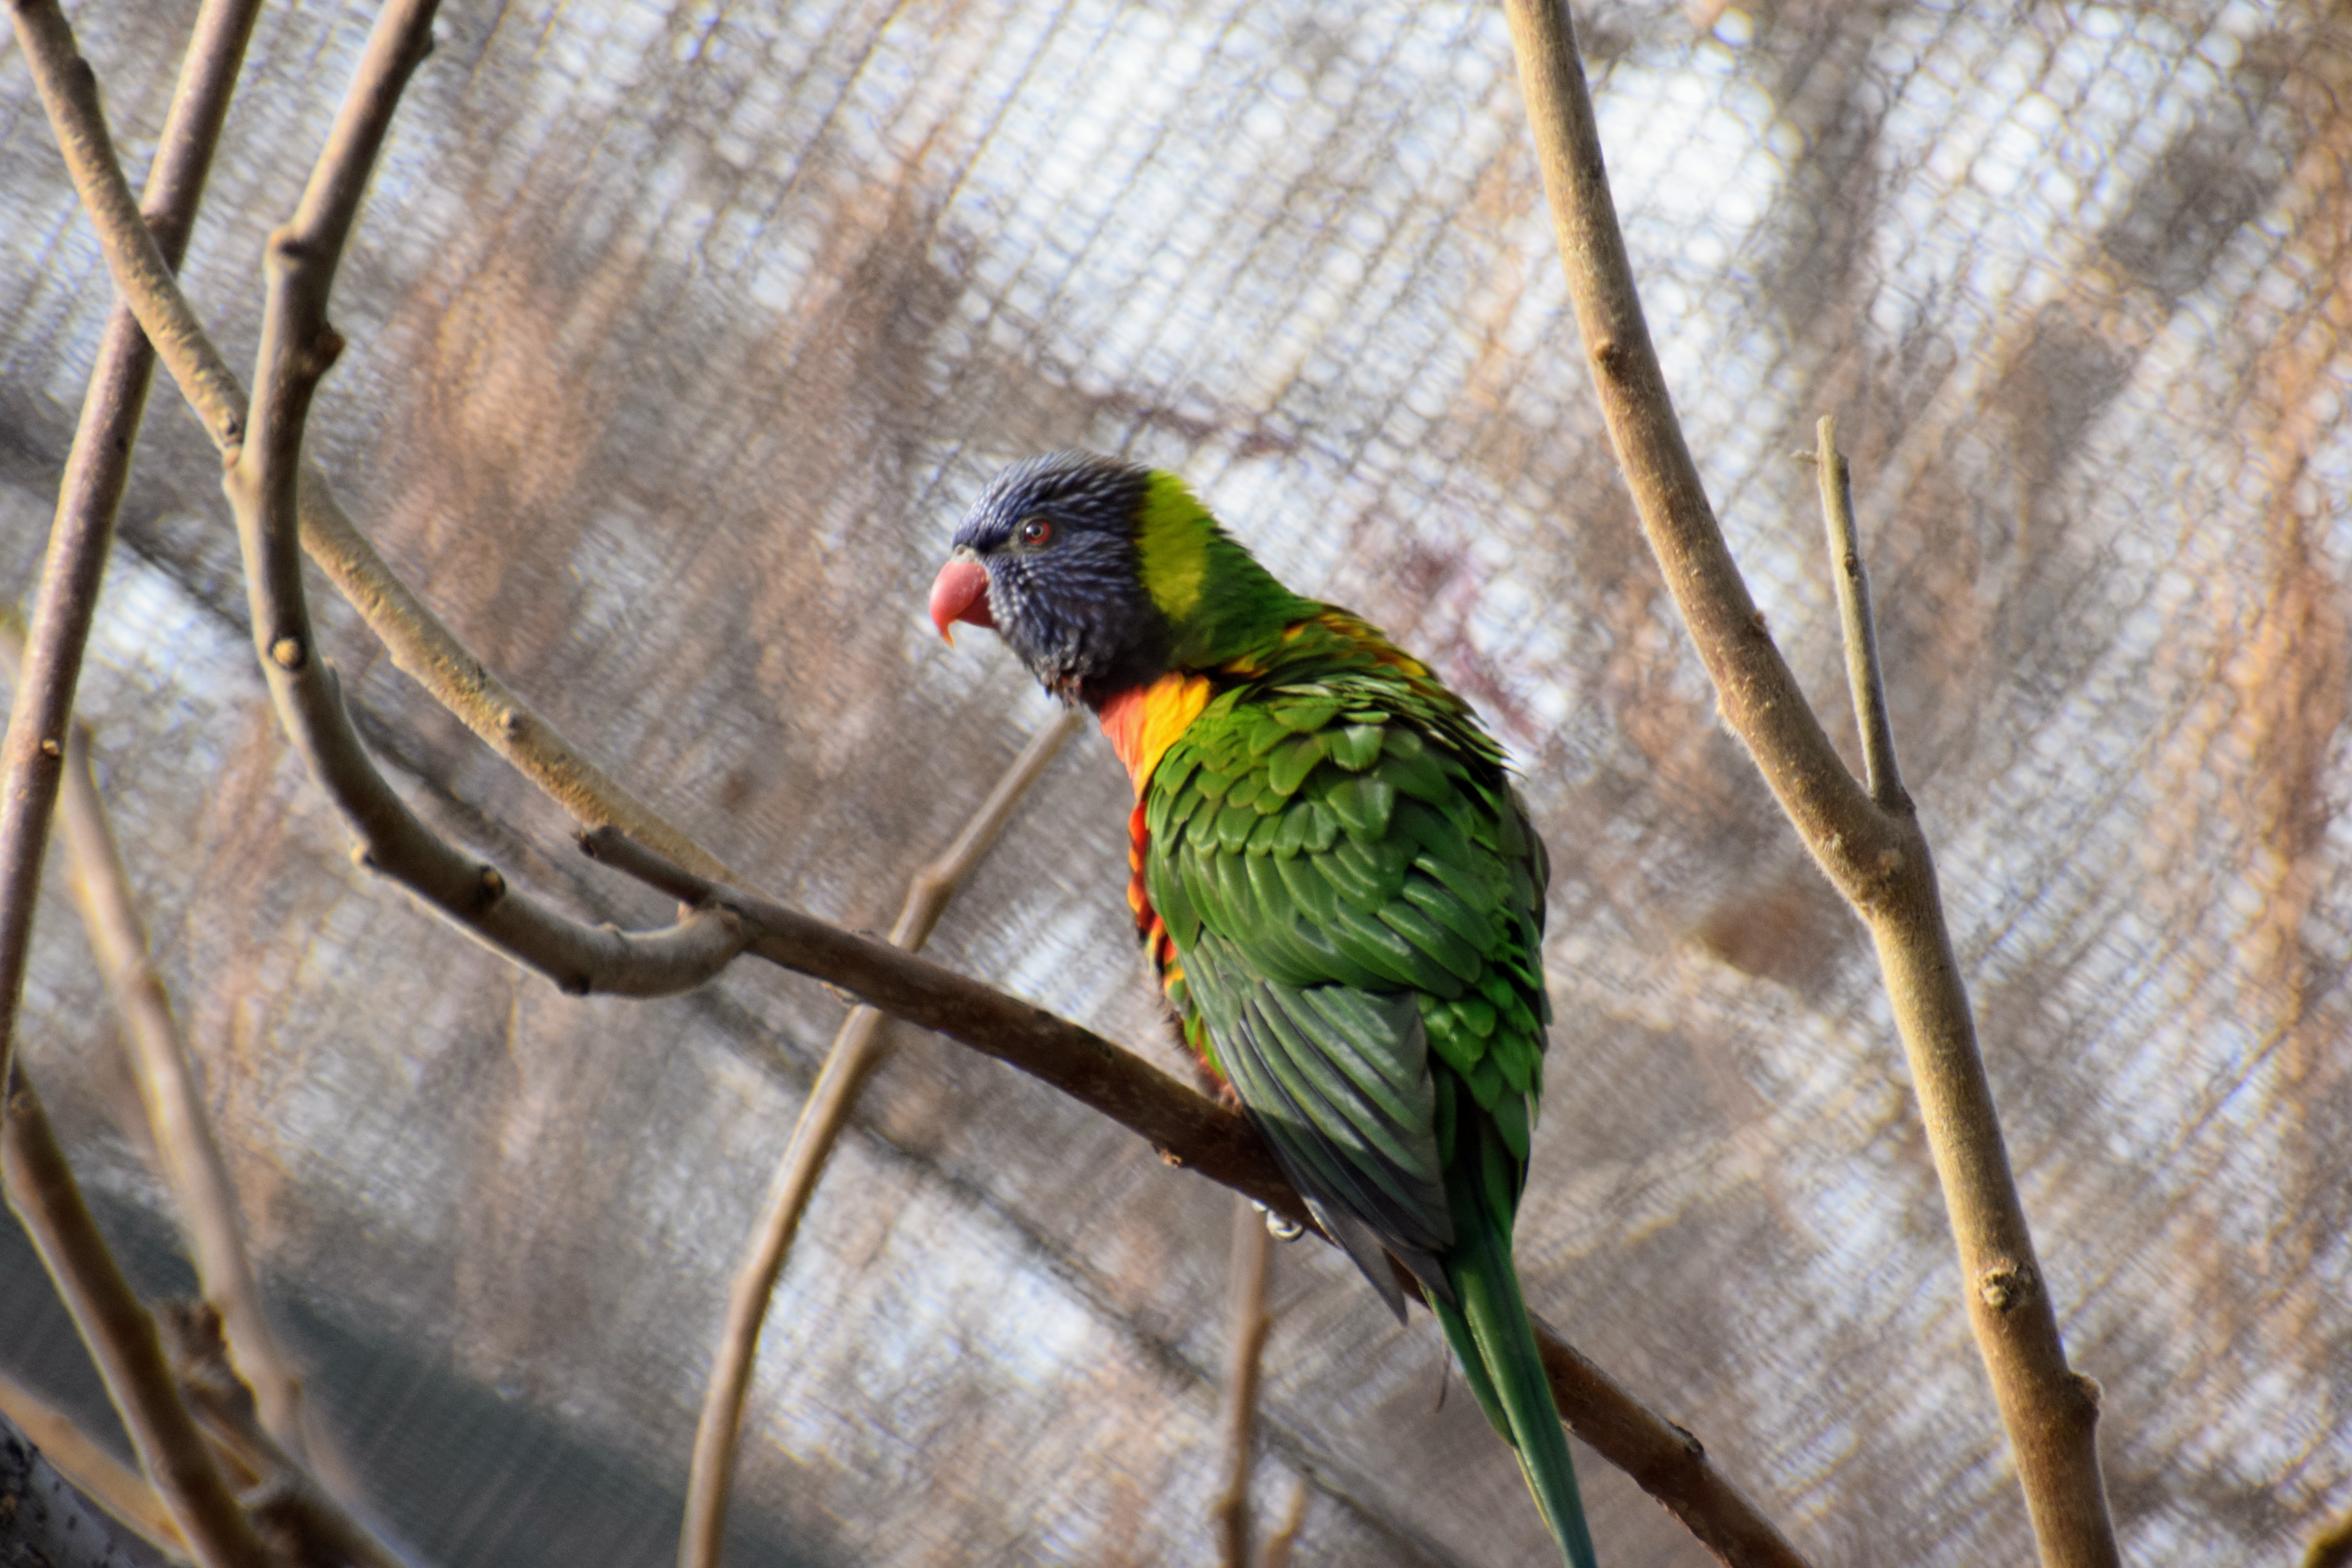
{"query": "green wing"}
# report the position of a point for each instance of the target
(1357, 900)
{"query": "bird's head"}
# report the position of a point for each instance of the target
(1103, 576)
(1049, 557)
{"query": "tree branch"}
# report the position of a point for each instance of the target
(1193, 1132)
(419, 643)
(1248, 1325)
(89, 1470)
(299, 1516)
(1860, 633)
(193, 1166)
(1878, 858)
(44, 1519)
(121, 1337)
(297, 348)
(856, 1051)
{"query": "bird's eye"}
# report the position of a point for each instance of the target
(1035, 530)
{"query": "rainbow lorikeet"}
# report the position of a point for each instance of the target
(1333, 875)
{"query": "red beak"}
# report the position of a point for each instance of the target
(960, 594)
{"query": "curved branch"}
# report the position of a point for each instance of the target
(1193, 1132)
(297, 348)
(419, 643)
(1877, 858)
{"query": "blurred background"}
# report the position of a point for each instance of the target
(679, 335)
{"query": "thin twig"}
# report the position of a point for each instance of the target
(97, 1475)
(33, 752)
(1878, 858)
(857, 1049)
(1248, 1325)
(292, 1509)
(192, 1164)
(1861, 633)
(419, 643)
(1286, 1534)
(40, 1184)
(121, 1337)
(1193, 1132)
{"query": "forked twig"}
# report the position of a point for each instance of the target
(297, 348)
(856, 1051)
(1872, 850)
(122, 1340)
(298, 1515)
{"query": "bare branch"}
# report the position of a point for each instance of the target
(856, 1051)
(297, 348)
(97, 1475)
(1878, 858)
(32, 755)
(1193, 1132)
(45, 1518)
(121, 1338)
(1279, 1545)
(418, 641)
(293, 1509)
(1861, 634)
(193, 1166)
(1248, 1325)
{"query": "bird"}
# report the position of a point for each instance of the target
(1334, 877)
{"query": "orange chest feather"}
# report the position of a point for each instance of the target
(1144, 722)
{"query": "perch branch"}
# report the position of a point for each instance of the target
(297, 348)
(122, 1339)
(1248, 1325)
(1860, 632)
(97, 1475)
(419, 643)
(1191, 1131)
(1878, 858)
(856, 1052)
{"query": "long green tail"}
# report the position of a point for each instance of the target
(1487, 1325)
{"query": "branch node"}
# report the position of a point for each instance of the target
(288, 653)
(49, 747)
(494, 886)
(2005, 1286)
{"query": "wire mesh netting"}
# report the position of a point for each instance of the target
(679, 335)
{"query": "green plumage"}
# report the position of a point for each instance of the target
(1355, 897)
(1333, 875)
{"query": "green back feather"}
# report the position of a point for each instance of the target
(1355, 897)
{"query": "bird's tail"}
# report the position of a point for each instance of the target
(1487, 1323)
